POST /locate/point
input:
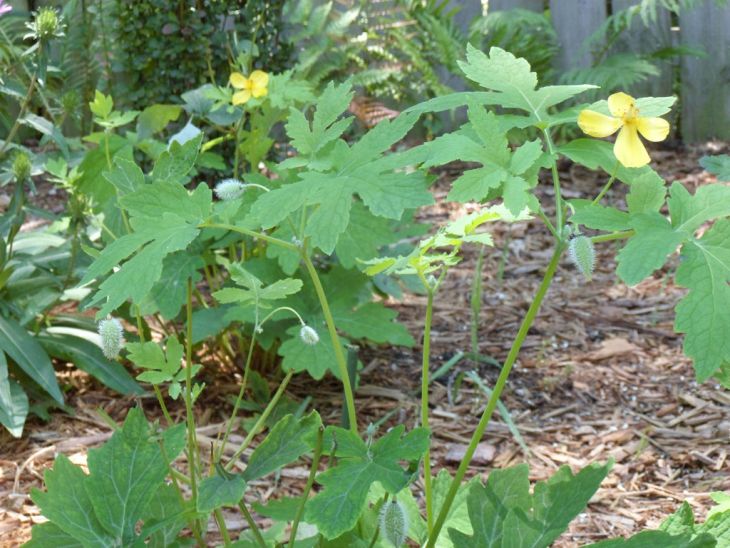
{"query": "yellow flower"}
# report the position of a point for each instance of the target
(253, 86)
(629, 149)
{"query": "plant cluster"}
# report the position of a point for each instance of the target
(291, 262)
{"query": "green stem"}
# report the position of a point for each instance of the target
(239, 399)
(161, 401)
(308, 486)
(236, 136)
(497, 392)
(252, 233)
(607, 186)
(425, 372)
(222, 527)
(252, 524)
(339, 354)
(559, 213)
(261, 420)
(548, 223)
(107, 153)
(192, 442)
(622, 235)
(21, 113)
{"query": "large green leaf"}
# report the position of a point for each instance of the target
(658, 539)
(704, 314)
(512, 83)
(88, 357)
(125, 474)
(338, 506)
(220, 490)
(49, 534)
(288, 440)
(68, 504)
(330, 184)
(505, 515)
(13, 401)
(25, 351)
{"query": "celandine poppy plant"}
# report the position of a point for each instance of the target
(629, 149)
(253, 86)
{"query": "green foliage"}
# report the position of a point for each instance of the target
(124, 477)
(162, 49)
(337, 507)
(337, 172)
(504, 513)
(717, 165)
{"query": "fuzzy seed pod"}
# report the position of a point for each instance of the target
(583, 255)
(308, 335)
(21, 167)
(393, 523)
(229, 189)
(112, 337)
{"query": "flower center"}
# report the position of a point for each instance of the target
(630, 115)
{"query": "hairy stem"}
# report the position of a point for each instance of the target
(339, 354)
(607, 186)
(559, 206)
(192, 442)
(497, 392)
(239, 399)
(308, 486)
(252, 524)
(261, 420)
(425, 372)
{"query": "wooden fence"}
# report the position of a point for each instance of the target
(704, 81)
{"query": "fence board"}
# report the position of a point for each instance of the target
(706, 80)
(575, 21)
(532, 5)
(644, 39)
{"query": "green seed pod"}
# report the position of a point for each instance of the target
(21, 167)
(308, 335)
(582, 255)
(229, 189)
(393, 523)
(112, 337)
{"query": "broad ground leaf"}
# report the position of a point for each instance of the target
(315, 359)
(29, 355)
(174, 164)
(336, 509)
(67, 504)
(659, 539)
(165, 516)
(288, 440)
(103, 508)
(162, 367)
(168, 295)
(49, 534)
(505, 515)
(513, 84)
(13, 401)
(126, 176)
(125, 473)
(220, 490)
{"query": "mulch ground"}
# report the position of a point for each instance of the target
(601, 375)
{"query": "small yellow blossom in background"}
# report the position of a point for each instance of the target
(253, 86)
(629, 149)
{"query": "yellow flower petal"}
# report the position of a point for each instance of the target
(238, 80)
(241, 97)
(259, 78)
(629, 149)
(653, 129)
(620, 104)
(596, 124)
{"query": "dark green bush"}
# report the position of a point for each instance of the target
(163, 48)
